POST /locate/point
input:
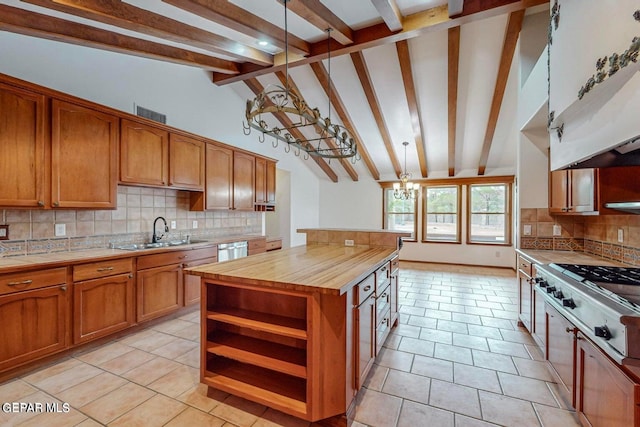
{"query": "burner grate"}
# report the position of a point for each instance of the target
(602, 274)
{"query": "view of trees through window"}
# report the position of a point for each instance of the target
(442, 205)
(399, 215)
(488, 213)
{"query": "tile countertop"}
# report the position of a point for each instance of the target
(23, 262)
(565, 257)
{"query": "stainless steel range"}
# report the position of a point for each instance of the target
(603, 302)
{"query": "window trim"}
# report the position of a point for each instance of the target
(415, 215)
(507, 215)
(458, 240)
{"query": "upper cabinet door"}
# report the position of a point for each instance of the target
(219, 188)
(22, 139)
(583, 189)
(271, 182)
(144, 154)
(186, 162)
(84, 146)
(261, 180)
(243, 181)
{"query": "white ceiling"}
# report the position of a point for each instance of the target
(480, 52)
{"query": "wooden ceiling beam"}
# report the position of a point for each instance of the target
(452, 89)
(346, 164)
(282, 117)
(508, 49)
(321, 17)
(238, 19)
(370, 93)
(33, 24)
(404, 57)
(390, 13)
(124, 15)
(435, 19)
(345, 118)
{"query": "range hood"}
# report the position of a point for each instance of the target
(630, 207)
(625, 154)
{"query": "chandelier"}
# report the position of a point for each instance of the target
(331, 140)
(405, 190)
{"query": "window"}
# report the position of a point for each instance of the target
(399, 215)
(442, 217)
(489, 219)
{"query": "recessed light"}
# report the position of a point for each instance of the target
(262, 43)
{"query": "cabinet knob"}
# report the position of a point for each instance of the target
(366, 288)
(56, 204)
(63, 288)
(40, 203)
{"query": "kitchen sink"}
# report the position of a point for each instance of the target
(150, 245)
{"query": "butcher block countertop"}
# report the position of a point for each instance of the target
(330, 269)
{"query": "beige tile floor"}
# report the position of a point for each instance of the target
(456, 359)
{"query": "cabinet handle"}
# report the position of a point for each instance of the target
(24, 282)
(105, 269)
(366, 288)
(40, 203)
(569, 330)
(183, 256)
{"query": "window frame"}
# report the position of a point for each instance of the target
(425, 213)
(507, 214)
(386, 191)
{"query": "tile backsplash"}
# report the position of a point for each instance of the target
(33, 231)
(597, 234)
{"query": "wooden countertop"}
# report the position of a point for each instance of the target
(565, 257)
(330, 269)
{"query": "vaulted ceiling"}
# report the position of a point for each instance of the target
(434, 73)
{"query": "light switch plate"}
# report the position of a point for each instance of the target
(620, 235)
(526, 230)
(557, 230)
(60, 230)
(348, 242)
(194, 224)
(174, 225)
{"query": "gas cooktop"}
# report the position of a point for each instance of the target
(601, 274)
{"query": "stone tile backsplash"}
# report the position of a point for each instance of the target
(33, 231)
(596, 235)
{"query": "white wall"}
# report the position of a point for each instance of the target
(185, 94)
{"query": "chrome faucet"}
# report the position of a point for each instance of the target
(155, 237)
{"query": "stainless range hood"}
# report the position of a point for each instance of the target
(625, 154)
(630, 207)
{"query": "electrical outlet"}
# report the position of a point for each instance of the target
(620, 235)
(526, 230)
(174, 225)
(194, 224)
(557, 230)
(60, 230)
(348, 242)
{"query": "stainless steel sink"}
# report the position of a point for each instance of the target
(168, 243)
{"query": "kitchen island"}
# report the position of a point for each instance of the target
(298, 329)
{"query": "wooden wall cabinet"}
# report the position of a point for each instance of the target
(218, 188)
(265, 187)
(144, 154)
(186, 162)
(243, 181)
(605, 395)
(573, 191)
(22, 138)
(34, 315)
(103, 296)
(84, 146)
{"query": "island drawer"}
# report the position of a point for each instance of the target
(382, 330)
(524, 265)
(16, 282)
(96, 270)
(364, 289)
(383, 276)
(395, 264)
(383, 302)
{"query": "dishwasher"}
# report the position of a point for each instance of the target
(232, 250)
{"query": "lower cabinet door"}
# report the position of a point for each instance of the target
(32, 324)
(192, 282)
(365, 339)
(159, 291)
(561, 351)
(102, 306)
(605, 396)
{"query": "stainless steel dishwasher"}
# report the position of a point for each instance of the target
(232, 250)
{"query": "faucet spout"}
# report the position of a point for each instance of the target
(155, 238)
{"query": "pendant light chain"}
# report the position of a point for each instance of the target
(329, 69)
(286, 48)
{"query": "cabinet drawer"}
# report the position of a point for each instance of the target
(382, 330)
(99, 269)
(257, 244)
(210, 252)
(273, 245)
(382, 276)
(364, 289)
(524, 265)
(383, 302)
(166, 258)
(395, 264)
(15, 282)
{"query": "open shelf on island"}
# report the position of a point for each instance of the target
(285, 392)
(272, 323)
(258, 352)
